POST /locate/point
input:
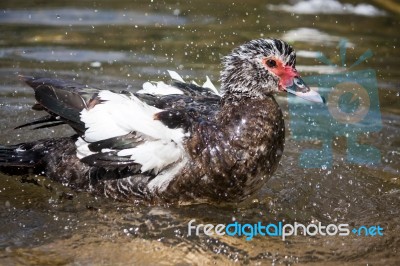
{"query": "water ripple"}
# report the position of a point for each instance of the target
(88, 17)
(63, 54)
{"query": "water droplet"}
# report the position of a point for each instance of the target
(95, 64)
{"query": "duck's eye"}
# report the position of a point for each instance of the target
(271, 63)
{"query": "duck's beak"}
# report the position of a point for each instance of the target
(299, 88)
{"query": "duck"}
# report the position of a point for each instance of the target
(175, 142)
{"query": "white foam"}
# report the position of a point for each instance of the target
(309, 35)
(328, 7)
(308, 54)
(320, 69)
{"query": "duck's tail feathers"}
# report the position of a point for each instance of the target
(23, 158)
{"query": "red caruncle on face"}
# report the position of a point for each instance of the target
(277, 67)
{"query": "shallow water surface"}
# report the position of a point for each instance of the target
(324, 175)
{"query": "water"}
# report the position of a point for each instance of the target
(123, 43)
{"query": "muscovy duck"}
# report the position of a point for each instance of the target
(167, 143)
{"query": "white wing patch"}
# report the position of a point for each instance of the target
(161, 88)
(161, 181)
(121, 114)
(82, 148)
(174, 75)
(208, 84)
(154, 155)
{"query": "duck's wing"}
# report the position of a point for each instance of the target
(123, 130)
(144, 130)
(147, 129)
(63, 100)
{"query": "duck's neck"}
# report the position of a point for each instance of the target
(252, 113)
(235, 98)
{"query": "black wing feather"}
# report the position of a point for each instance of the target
(108, 159)
(49, 125)
(63, 100)
(117, 143)
(42, 120)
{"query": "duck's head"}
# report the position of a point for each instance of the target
(262, 67)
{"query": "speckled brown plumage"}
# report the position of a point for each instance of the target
(234, 155)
